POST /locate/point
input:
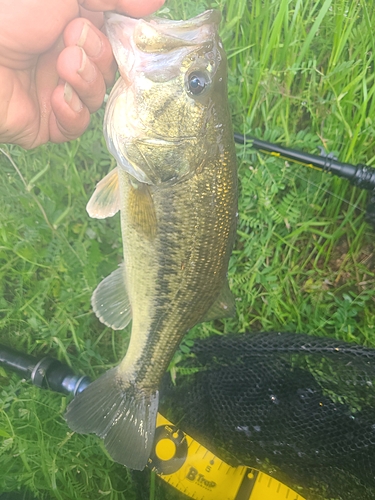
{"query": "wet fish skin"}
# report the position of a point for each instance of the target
(176, 188)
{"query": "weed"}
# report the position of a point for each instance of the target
(301, 73)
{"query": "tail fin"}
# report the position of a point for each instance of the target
(120, 415)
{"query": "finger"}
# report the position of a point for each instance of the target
(69, 117)
(18, 110)
(134, 8)
(74, 67)
(80, 32)
(33, 26)
(97, 18)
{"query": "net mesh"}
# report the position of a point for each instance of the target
(300, 408)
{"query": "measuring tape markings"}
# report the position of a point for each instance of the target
(267, 487)
(195, 471)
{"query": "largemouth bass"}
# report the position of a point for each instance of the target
(168, 125)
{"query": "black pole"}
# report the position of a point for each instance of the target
(48, 373)
(359, 175)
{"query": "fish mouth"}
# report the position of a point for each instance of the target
(156, 51)
(156, 46)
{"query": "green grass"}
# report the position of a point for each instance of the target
(301, 73)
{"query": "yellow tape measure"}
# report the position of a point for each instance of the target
(192, 469)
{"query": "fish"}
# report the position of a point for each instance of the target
(168, 125)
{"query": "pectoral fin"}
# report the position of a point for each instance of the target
(110, 300)
(105, 202)
(142, 209)
(223, 307)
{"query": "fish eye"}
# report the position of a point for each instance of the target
(197, 81)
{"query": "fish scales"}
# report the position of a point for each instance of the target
(188, 266)
(168, 125)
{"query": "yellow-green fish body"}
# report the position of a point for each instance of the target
(168, 125)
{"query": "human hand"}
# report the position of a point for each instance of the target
(55, 64)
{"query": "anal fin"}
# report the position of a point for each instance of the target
(110, 300)
(223, 307)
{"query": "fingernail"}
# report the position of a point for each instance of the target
(87, 70)
(90, 40)
(72, 98)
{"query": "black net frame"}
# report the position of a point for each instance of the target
(300, 408)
